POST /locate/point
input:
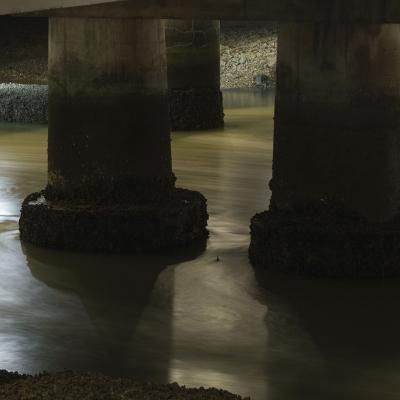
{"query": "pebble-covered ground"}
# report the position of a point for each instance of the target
(247, 49)
(246, 53)
(23, 103)
(87, 386)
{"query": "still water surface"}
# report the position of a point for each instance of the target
(186, 317)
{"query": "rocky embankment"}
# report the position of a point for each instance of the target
(26, 103)
(90, 386)
(248, 49)
(247, 52)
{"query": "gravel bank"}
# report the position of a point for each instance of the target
(245, 53)
(85, 386)
(23, 103)
(247, 50)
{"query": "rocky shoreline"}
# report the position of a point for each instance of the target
(23, 103)
(70, 385)
(247, 52)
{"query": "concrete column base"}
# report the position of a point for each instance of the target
(327, 242)
(195, 108)
(134, 228)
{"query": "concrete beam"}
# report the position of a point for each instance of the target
(377, 11)
(22, 6)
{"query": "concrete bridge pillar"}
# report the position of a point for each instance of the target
(110, 182)
(335, 207)
(193, 54)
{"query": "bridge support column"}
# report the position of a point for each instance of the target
(110, 185)
(193, 55)
(335, 207)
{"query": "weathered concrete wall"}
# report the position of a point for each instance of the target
(193, 54)
(336, 167)
(338, 118)
(110, 182)
(106, 79)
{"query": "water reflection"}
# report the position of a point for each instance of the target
(235, 98)
(192, 320)
(352, 335)
(115, 292)
(189, 317)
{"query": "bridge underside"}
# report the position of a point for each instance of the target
(373, 11)
(335, 208)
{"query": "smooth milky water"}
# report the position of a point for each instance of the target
(187, 317)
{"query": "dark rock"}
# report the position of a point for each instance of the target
(134, 228)
(9, 377)
(330, 244)
(89, 386)
(195, 109)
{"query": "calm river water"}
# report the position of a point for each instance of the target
(186, 317)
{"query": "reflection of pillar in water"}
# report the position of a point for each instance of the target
(129, 301)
